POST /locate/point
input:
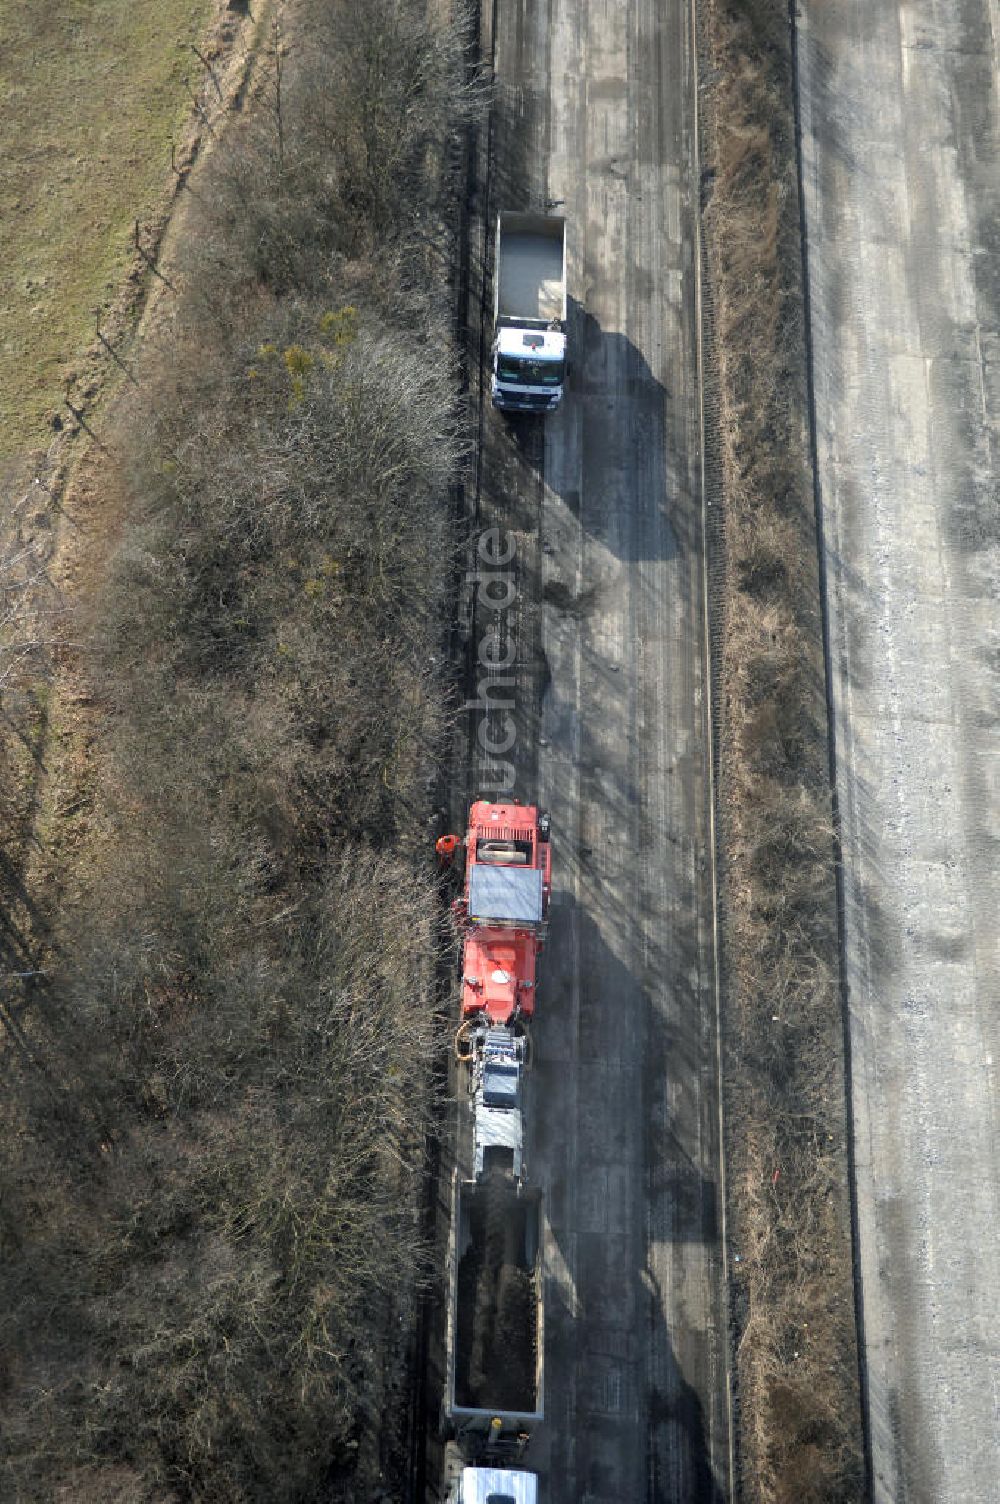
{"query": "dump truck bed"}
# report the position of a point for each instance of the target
(495, 1333)
(531, 269)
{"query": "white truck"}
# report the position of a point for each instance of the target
(493, 1485)
(529, 312)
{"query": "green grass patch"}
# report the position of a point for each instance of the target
(90, 97)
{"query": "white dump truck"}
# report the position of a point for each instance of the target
(529, 312)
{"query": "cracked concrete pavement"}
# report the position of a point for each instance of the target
(900, 132)
(593, 112)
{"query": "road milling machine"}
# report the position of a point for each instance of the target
(503, 910)
(495, 1335)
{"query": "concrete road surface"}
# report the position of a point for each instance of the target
(901, 129)
(599, 598)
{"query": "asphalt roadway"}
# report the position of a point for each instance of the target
(901, 148)
(593, 585)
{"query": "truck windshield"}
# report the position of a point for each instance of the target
(529, 372)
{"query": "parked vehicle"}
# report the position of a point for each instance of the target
(529, 312)
(495, 1325)
(508, 880)
(485, 1485)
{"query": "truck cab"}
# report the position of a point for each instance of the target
(529, 369)
(494, 1485)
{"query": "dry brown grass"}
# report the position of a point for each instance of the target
(89, 111)
(798, 1410)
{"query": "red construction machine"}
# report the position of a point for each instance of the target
(495, 1340)
(508, 880)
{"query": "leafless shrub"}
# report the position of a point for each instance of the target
(399, 89)
(29, 605)
(343, 163)
(292, 549)
(35, 623)
(245, 1207)
(210, 1164)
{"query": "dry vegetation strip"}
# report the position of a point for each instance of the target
(211, 1138)
(91, 98)
(798, 1412)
